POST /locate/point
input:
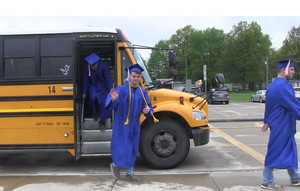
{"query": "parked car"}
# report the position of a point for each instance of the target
(259, 96)
(196, 91)
(221, 96)
(297, 92)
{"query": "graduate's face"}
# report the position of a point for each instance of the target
(93, 67)
(135, 78)
(291, 73)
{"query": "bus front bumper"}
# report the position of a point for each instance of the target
(200, 136)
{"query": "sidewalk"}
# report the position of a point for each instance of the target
(215, 181)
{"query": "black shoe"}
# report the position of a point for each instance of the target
(115, 171)
(101, 126)
(108, 123)
(96, 117)
(132, 178)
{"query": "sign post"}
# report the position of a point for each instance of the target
(204, 77)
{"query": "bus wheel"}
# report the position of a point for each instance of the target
(164, 144)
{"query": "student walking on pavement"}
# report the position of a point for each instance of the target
(281, 111)
(128, 101)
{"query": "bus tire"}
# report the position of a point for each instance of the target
(164, 145)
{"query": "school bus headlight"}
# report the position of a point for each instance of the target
(198, 115)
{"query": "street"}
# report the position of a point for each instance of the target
(232, 160)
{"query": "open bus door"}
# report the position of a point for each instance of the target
(90, 139)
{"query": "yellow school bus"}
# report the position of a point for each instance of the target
(41, 104)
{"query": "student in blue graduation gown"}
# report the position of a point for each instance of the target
(97, 81)
(281, 111)
(129, 101)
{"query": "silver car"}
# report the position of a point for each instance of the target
(259, 96)
(221, 96)
(297, 92)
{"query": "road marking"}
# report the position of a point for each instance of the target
(258, 156)
(241, 127)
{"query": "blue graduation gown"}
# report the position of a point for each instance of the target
(98, 84)
(282, 110)
(125, 138)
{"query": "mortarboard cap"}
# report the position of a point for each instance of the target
(135, 68)
(92, 58)
(284, 63)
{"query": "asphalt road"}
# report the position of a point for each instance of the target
(232, 160)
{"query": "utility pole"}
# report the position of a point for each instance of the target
(267, 72)
(185, 54)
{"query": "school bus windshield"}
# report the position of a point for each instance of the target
(139, 60)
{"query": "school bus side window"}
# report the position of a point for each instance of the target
(125, 63)
(19, 61)
(56, 56)
(19, 68)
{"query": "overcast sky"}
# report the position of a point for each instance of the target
(147, 22)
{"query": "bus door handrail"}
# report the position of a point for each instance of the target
(82, 112)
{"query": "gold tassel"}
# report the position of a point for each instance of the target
(154, 119)
(126, 122)
(127, 118)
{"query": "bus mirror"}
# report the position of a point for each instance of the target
(173, 72)
(172, 59)
(198, 83)
(220, 78)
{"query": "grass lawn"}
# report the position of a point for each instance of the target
(241, 95)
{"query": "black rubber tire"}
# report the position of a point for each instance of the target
(164, 145)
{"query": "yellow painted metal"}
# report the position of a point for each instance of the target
(119, 64)
(36, 90)
(36, 106)
(168, 101)
(37, 130)
(72, 151)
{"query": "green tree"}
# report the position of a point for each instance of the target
(158, 65)
(291, 45)
(291, 49)
(180, 43)
(245, 51)
(205, 49)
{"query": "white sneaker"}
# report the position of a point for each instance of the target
(272, 186)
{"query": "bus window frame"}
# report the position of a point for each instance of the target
(134, 57)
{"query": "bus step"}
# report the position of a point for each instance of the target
(95, 155)
(90, 123)
(96, 135)
(95, 147)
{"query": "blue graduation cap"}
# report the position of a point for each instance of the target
(134, 68)
(92, 58)
(284, 63)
